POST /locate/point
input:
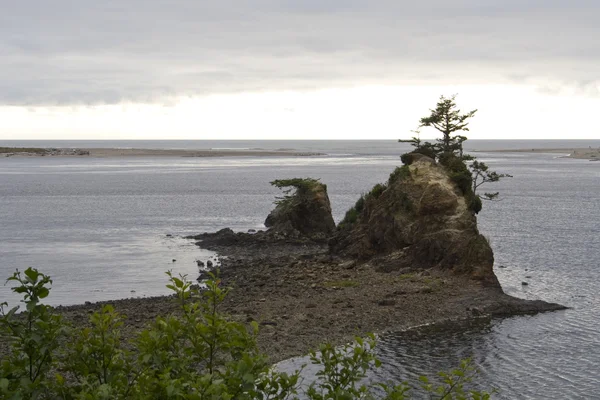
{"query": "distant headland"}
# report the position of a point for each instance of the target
(116, 152)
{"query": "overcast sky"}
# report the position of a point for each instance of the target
(293, 69)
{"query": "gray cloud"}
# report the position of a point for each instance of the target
(91, 52)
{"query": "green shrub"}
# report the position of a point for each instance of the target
(33, 336)
(406, 158)
(353, 213)
(461, 175)
(377, 190)
(462, 180)
(400, 173)
(474, 202)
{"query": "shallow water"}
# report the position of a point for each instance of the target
(99, 226)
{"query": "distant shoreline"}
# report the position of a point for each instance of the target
(579, 153)
(115, 152)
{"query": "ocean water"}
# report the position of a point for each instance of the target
(99, 227)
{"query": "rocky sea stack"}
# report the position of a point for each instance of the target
(304, 210)
(419, 219)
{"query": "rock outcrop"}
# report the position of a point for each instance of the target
(306, 212)
(420, 219)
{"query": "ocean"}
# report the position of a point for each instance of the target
(109, 228)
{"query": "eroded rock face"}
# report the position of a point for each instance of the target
(307, 213)
(420, 221)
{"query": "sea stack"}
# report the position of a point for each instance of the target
(306, 212)
(419, 219)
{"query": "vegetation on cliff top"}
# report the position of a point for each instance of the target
(294, 188)
(197, 353)
(351, 216)
(468, 173)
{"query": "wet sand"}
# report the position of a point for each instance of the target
(196, 153)
(579, 153)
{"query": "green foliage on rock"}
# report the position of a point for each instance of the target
(294, 188)
(377, 190)
(352, 215)
(33, 336)
(196, 353)
(448, 151)
(354, 212)
(400, 173)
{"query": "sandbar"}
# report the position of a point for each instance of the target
(569, 152)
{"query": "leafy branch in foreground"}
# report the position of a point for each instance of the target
(195, 353)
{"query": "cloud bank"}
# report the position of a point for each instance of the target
(66, 52)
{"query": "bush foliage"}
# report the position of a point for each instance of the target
(352, 215)
(197, 353)
(294, 188)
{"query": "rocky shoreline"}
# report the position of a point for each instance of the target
(301, 296)
(407, 254)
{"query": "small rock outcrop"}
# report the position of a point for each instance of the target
(304, 210)
(419, 219)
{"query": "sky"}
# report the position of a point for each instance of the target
(295, 69)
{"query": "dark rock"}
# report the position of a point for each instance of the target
(209, 264)
(174, 260)
(524, 283)
(508, 305)
(475, 311)
(268, 323)
(200, 263)
(386, 302)
(251, 230)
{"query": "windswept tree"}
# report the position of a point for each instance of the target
(481, 175)
(447, 119)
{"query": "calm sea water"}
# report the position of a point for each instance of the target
(99, 228)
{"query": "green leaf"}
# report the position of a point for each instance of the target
(43, 293)
(32, 274)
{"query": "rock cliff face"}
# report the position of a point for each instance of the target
(306, 213)
(418, 220)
